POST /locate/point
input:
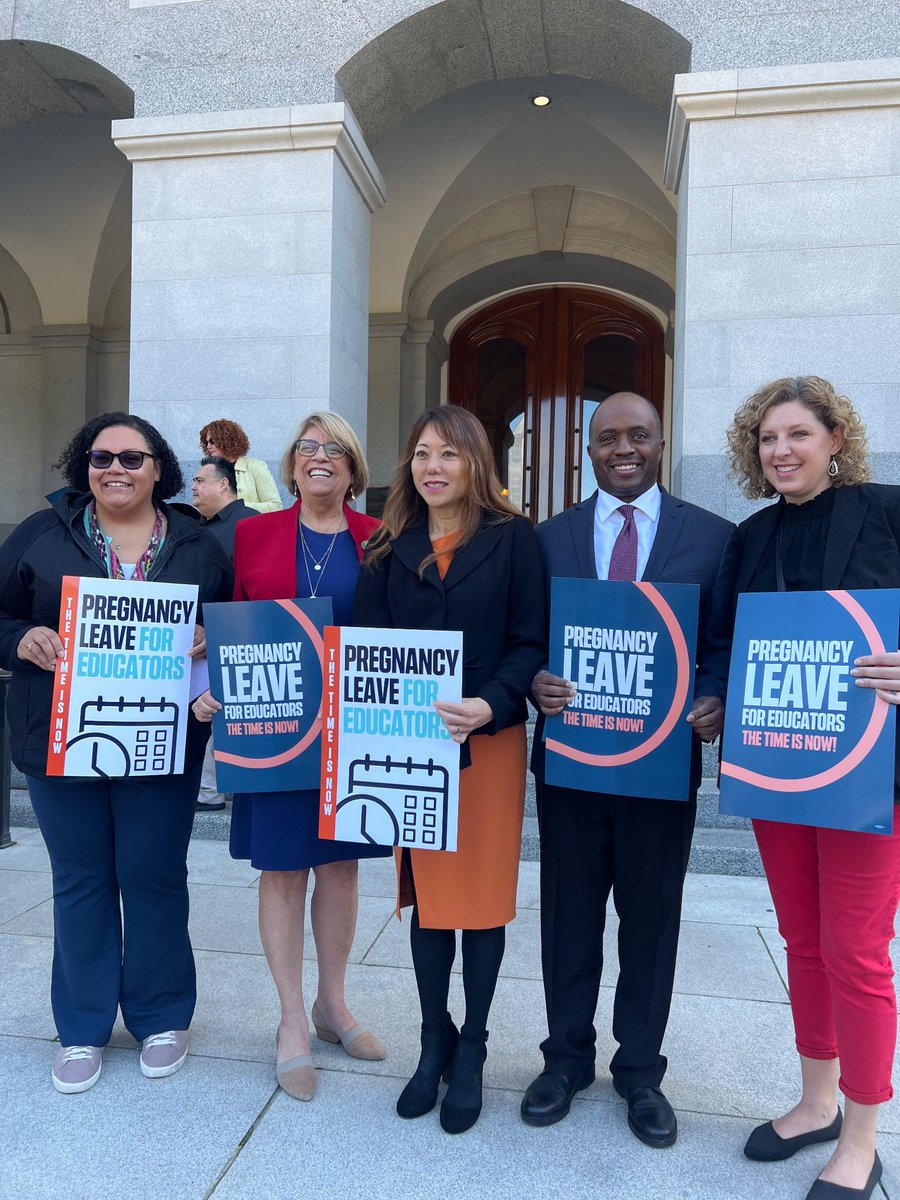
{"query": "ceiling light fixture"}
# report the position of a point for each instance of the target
(540, 101)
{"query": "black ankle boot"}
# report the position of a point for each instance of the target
(438, 1047)
(462, 1103)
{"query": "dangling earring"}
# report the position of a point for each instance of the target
(833, 467)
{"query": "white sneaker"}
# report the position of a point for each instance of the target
(77, 1068)
(164, 1053)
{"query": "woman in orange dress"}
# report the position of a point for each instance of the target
(452, 553)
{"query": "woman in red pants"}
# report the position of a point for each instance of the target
(835, 891)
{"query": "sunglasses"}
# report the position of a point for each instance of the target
(131, 460)
(308, 448)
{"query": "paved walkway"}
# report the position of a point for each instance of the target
(220, 1128)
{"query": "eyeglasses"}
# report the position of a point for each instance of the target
(131, 460)
(207, 442)
(308, 448)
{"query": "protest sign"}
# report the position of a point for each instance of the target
(390, 770)
(120, 692)
(265, 667)
(629, 649)
(802, 743)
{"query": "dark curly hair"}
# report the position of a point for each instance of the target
(74, 464)
(231, 440)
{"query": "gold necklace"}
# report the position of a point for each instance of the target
(319, 564)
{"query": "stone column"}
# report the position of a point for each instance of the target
(788, 250)
(405, 358)
(250, 270)
(70, 370)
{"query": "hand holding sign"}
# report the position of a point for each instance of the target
(879, 671)
(707, 716)
(465, 717)
(41, 646)
(552, 692)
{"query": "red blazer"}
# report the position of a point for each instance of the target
(265, 552)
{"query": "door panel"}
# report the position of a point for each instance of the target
(534, 366)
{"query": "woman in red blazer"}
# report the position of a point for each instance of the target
(312, 549)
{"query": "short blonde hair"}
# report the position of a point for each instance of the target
(827, 406)
(336, 429)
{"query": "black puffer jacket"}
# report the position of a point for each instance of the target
(33, 560)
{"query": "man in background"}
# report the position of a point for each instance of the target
(214, 490)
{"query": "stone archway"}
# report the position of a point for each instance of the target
(488, 194)
(65, 233)
(453, 44)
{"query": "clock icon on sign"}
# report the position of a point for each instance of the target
(363, 818)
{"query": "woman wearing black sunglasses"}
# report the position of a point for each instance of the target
(112, 842)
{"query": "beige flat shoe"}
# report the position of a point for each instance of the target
(296, 1076)
(357, 1041)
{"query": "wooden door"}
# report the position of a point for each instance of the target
(534, 366)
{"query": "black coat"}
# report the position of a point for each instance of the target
(33, 560)
(862, 550)
(493, 592)
(687, 548)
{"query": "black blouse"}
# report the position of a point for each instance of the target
(800, 542)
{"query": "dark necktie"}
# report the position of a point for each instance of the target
(623, 560)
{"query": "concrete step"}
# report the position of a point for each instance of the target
(714, 852)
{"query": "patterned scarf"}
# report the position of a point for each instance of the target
(103, 544)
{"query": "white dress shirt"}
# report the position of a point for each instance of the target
(608, 522)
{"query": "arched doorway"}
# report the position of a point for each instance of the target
(534, 366)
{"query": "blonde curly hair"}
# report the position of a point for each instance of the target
(827, 406)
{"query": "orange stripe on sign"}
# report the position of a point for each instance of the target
(62, 679)
(331, 693)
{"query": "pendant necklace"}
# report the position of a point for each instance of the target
(319, 564)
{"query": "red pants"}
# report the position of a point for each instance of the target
(836, 895)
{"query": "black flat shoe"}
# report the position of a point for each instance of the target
(823, 1190)
(650, 1115)
(461, 1106)
(766, 1145)
(438, 1047)
(548, 1098)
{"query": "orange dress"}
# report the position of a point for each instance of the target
(474, 887)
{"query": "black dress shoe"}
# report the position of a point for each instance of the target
(438, 1048)
(650, 1115)
(823, 1190)
(766, 1145)
(462, 1103)
(548, 1098)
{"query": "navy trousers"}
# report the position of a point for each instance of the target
(638, 848)
(118, 850)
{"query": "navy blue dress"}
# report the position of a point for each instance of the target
(278, 831)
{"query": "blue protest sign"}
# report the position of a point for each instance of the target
(630, 650)
(265, 666)
(802, 743)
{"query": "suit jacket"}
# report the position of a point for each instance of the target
(687, 548)
(265, 552)
(493, 592)
(862, 550)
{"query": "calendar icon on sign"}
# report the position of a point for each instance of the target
(118, 738)
(395, 802)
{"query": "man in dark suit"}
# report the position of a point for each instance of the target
(214, 489)
(592, 842)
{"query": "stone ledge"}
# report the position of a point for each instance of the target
(256, 131)
(775, 91)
